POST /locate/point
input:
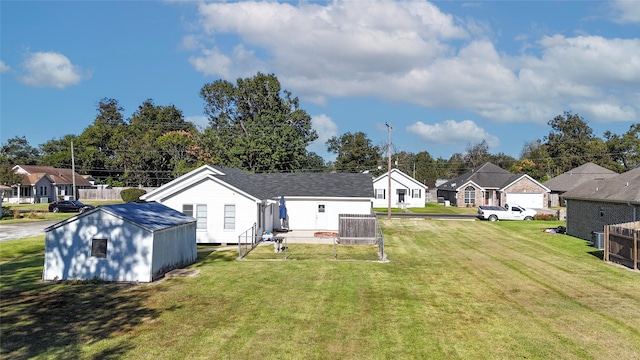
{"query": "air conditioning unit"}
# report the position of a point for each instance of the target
(597, 240)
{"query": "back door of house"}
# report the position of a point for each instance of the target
(321, 216)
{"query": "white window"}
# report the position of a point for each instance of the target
(416, 193)
(379, 193)
(229, 217)
(201, 216)
(469, 195)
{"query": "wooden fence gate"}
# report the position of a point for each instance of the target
(621, 244)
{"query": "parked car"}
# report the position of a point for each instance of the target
(508, 212)
(69, 206)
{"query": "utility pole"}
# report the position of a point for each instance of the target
(389, 128)
(73, 173)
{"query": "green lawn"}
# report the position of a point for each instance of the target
(432, 208)
(451, 290)
(34, 212)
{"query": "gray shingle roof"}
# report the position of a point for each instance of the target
(486, 176)
(243, 181)
(316, 184)
(624, 187)
(151, 216)
(575, 177)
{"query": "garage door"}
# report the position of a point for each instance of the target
(533, 201)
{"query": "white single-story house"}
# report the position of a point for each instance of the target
(44, 184)
(122, 242)
(405, 190)
(229, 202)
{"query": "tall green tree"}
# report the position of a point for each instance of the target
(624, 150)
(8, 177)
(534, 161)
(57, 152)
(255, 125)
(97, 146)
(476, 154)
(571, 143)
(355, 152)
(149, 156)
(17, 151)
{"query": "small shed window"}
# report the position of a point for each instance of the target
(379, 193)
(187, 209)
(99, 247)
(229, 217)
(416, 193)
(469, 195)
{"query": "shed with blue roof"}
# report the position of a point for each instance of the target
(122, 242)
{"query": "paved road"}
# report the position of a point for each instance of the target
(24, 229)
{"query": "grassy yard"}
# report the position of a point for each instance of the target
(452, 290)
(432, 208)
(35, 212)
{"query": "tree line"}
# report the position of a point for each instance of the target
(257, 126)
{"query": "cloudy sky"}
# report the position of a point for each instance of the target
(443, 74)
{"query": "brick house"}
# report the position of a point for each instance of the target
(492, 185)
(601, 202)
(573, 179)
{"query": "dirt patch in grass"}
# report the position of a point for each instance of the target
(325, 234)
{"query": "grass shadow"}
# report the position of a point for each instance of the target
(58, 320)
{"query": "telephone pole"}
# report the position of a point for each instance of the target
(389, 128)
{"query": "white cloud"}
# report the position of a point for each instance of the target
(411, 52)
(51, 69)
(326, 129)
(451, 132)
(625, 11)
(4, 67)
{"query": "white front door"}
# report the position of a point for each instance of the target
(321, 216)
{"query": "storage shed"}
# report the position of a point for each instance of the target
(123, 242)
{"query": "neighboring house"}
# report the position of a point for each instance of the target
(228, 202)
(492, 185)
(573, 179)
(44, 184)
(123, 242)
(601, 202)
(405, 190)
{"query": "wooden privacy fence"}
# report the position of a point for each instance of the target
(104, 194)
(621, 244)
(360, 229)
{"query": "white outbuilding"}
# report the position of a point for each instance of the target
(122, 242)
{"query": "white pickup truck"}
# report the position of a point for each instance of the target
(508, 212)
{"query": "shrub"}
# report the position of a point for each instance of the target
(6, 212)
(546, 217)
(131, 195)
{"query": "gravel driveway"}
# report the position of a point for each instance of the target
(24, 229)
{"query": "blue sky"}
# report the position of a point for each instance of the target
(444, 74)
